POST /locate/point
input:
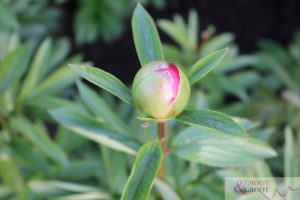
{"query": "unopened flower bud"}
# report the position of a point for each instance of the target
(160, 90)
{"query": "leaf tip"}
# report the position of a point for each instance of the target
(226, 50)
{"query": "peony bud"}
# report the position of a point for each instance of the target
(160, 90)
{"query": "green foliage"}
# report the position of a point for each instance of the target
(280, 67)
(100, 19)
(25, 144)
(37, 135)
(145, 35)
(21, 16)
(144, 172)
(205, 65)
(213, 120)
(104, 80)
(217, 149)
(227, 78)
(11, 71)
(93, 129)
(96, 141)
(104, 19)
(215, 139)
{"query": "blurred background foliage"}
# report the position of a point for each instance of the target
(43, 156)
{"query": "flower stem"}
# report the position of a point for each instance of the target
(162, 129)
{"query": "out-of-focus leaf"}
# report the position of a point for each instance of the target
(49, 102)
(5, 192)
(213, 120)
(94, 130)
(13, 66)
(205, 191)
(6, 38)
(7, 17)
(59, 51)
(247, 124)
(143, 173)
(145, 35)
(218, 42)
(34, 74)
(276, 51)
(100, 108)
(115, 168)
(192, 29)
(38, 136)
(85, 196)
(245, 79)
(281, 73)
(80, 169)
(205, 65)
(55, 83)
(206, 146)
(175, 32)
(9, 173)
(228, 85)
(263, 134)
(236, 62)
(67, 140)
(172, 53)
(52, 188)
(30, 156)
(291, 155)
(104, 80)
(166, 191)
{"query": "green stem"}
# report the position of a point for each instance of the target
(162, 129)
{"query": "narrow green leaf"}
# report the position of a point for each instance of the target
(68, 141)
(104, 80)
(49, 102)
(8, 19)
(205, 65)
(217, 42)
(99, 107)
(144, 171)
(235, 62)
(247, 124)
(36, 134)
(85, 196)
(115, 169)
(193, 29)
(58, 55)
(213, 120)
(55, 187)
(210, 147)
(30, 156)
(66, 190)
(177, 34)
(34, 74)
(9, 173)
(291, 155)
(92, 129)
(145, 35)
(166, 192)
(81, 169)
(55, 83)
(13, 66)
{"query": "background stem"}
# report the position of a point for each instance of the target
(162, 129)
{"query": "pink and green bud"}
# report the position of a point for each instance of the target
(160, 90)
